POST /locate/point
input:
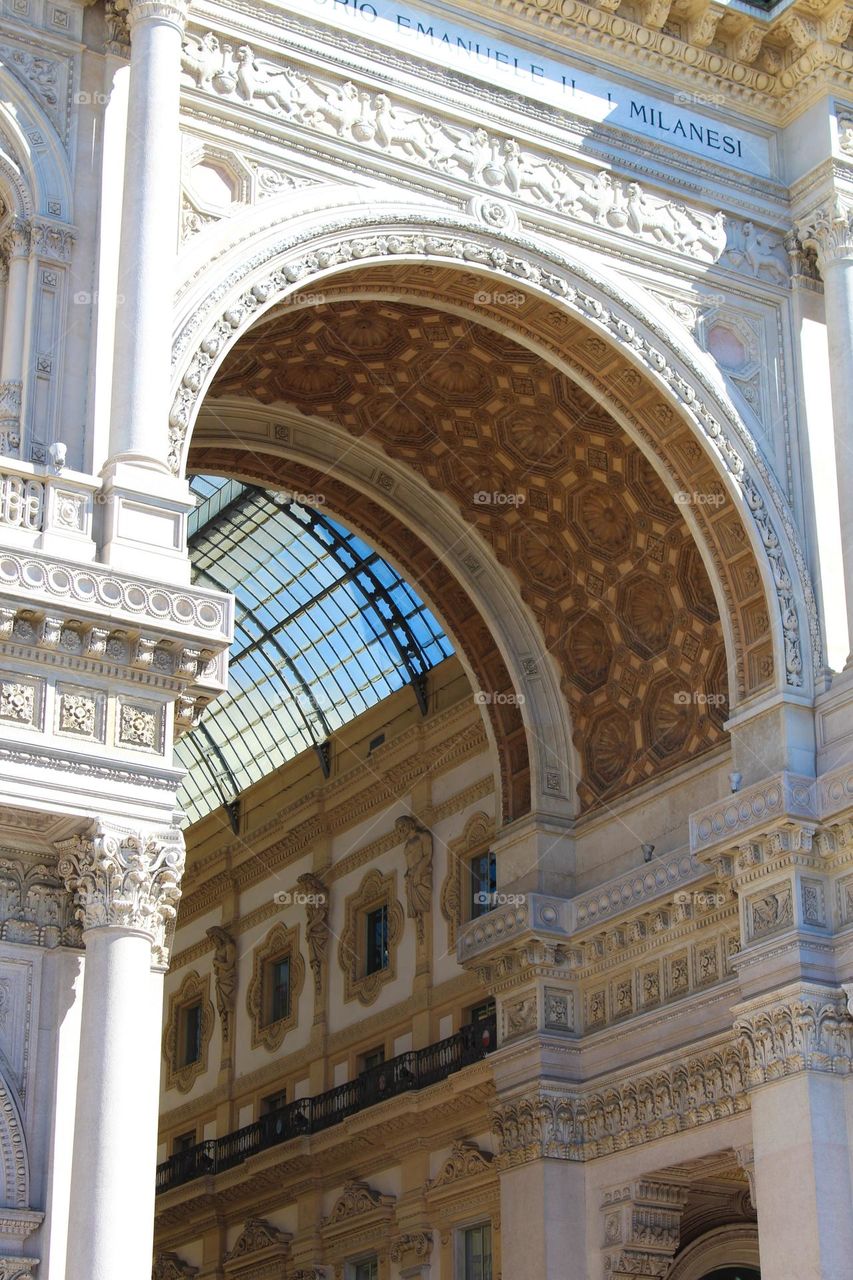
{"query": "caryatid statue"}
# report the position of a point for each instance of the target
(315, 898)
(418, 851)
(225, 976)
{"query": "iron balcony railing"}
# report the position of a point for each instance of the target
(413, 1070)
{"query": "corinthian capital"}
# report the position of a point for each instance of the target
(801, 1029)
(125, 879)
(173, 12)
(16, 240)
(829, 232)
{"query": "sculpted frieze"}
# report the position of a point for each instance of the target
(492, 162)
(586, 1124)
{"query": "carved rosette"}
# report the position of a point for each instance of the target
(125, 880)
(805, 1029)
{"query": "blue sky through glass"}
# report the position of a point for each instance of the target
(324, 630)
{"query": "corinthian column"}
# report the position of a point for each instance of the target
(830, 233)
(16, 247)
(127, 886)
(149, 234)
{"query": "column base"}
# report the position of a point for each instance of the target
(142, 519)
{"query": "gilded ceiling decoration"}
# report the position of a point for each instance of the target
(599, 550)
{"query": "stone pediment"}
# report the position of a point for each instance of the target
(356, 1199)
(259, 1242)
(171, 1266)
(466, 1160)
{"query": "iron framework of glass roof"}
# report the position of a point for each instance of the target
(325, 628)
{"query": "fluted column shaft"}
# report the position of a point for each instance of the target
(17, 249)
(149, 235)
(830, 234)
(127, 885)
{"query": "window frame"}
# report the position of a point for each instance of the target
(460, 1268)
(474, 909)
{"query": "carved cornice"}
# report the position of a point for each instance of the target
(642, 1227)
(125, 879)
(724, 824)
(802, 1029)
(584, 1124)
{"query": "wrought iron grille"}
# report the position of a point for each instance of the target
(408, 1071)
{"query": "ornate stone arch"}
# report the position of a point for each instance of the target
(14, 1159)
(735, 1245)
(677, 385)
(31, 153)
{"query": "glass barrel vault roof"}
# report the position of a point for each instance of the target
(325, 628)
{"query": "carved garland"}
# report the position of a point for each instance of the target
(279, 942)
(375, 891)
(194, 987)
(450, 241)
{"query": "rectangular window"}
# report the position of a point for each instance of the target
(374, 1058)
(189, 1034)
(376, 951)
(367, 1269)
(484, 883)
(476, 1252)
(183, 1142)
(277, 983)
(273, 1102)
(480, 1012)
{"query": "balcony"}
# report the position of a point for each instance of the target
(416, 1069)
